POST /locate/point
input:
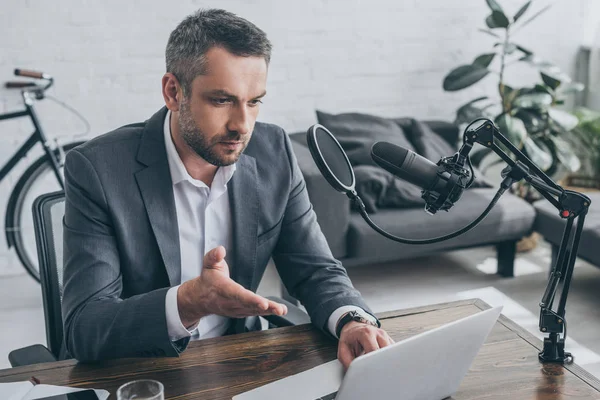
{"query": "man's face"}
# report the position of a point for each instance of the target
(217, 118)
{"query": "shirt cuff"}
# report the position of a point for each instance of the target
(336, 315)
(174, 326)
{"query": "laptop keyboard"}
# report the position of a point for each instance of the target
(330, 396)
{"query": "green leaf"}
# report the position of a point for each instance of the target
(543, 89)
(539, 153)
(565, 120)
(478, 99)
(533, 100)
(533, 120)
(565, 154)
(524, 50)
(537, 62)
(555, 73)
(494, 6)
(508, 94)
(513, 128)
(537, 14)
(464, 76)
(484, 60)
(522, 11)
(570, 87)
(589, 117)
(505, 90)
(468, 111)
(497, 20)
(510, 48)
(550, 81)
(489, 33)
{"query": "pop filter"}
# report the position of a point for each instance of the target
(331, 159)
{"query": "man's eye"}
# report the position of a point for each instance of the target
(255, 102)
(220, 100)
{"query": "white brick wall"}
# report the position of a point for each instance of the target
(386, 57)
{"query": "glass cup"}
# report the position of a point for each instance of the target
(144, 389)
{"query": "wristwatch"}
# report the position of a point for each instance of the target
(353, 316)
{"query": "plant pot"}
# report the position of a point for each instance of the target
(528, 243)
(581, 183)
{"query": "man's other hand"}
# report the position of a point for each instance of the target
(357, 339)
(214, 292)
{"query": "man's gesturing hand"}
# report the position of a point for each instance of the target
(214, 292)
(357, 338)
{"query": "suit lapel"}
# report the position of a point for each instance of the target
(244, 203)
(156, 189)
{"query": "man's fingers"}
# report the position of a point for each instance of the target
(345, 355)
(250, 299)
(277, 308)
(383, 339)
(264, 306)
(369, 343)
(214, 257)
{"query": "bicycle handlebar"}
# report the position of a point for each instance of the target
(18, 85)
(30, 74)
(31, 87)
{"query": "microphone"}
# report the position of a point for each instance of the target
(405, 164)
(442, 183)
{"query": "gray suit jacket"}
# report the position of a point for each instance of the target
(121, 242)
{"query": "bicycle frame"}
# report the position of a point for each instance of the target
(37, 136)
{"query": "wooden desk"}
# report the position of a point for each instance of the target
(507, 366)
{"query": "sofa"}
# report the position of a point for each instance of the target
(354, 243)
(551, 226)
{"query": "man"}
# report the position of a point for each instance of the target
(169, 224)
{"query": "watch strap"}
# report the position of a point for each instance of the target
(354, 316)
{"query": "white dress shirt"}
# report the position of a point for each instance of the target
(204, 221)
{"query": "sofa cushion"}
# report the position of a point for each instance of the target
(377, 188)
(433, 147)
(428, 143)
(446, 130)
(510, 219)
(358, 132)
(551, 226)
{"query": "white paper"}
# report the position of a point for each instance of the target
(27, 391)
(307, 385)
(14, 390)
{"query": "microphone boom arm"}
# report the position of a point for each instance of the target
(570, 204)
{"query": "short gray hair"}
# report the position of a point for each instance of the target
(199, 32)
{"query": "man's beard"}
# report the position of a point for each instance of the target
(198, 142)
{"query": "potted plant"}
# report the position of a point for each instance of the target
(587, 146)
(528, 116)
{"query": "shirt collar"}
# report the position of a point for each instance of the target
(177, 169)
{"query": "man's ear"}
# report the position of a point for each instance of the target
(172, 92)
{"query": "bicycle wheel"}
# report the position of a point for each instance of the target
(38, 179)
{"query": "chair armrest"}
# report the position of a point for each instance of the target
(34, 354)
(331, 207)
(294, 316)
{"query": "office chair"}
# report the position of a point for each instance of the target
(48, 212)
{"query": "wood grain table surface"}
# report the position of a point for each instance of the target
(506, 367)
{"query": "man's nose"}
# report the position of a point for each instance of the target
(240, 121)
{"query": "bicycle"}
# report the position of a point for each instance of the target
(34, 181)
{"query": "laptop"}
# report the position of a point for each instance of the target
(428, 366)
